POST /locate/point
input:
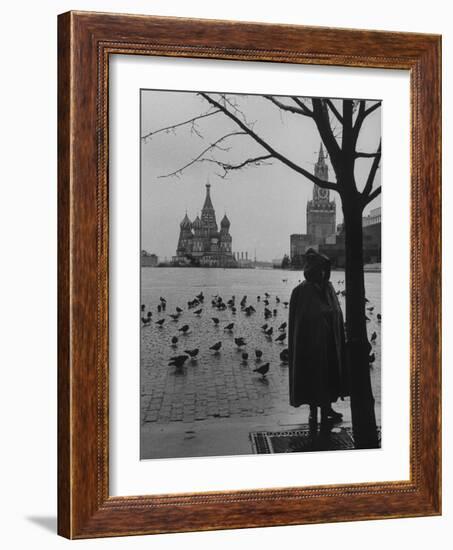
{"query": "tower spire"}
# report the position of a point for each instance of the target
(321, 157)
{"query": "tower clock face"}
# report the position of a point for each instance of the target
(322, 193)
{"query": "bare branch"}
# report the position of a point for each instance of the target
(372, 108)
(235, 106)
(199, 157)
(302, 105)
(285, 107)
(174, 126)
(372, 174)
(362, 113)
(268, 148)
(361, 154)
(373, 195)
(334, 110)
(322, 121)
(256, 161)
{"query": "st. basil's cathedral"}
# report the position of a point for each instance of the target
(201, 243)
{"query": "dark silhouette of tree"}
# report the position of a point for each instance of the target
(339, 123)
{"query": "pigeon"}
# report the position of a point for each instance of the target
(370, 309)
(366, 300)
(286, 304)
(192, 352)
(281, 337)
(216, 346)
(275, 312)
(174, 316)
(160, 322)
(174, 340)
(142, 307)
(266, 302)
(264, 327)
(163, 300)
(262, 369)
(233, 310)
(269, 331)
(177, 361)
(179, 310)
(198, 312)
(284, 355)
(216, 321)
(379, 317)
(239, 342)
(149, 314)
(258, 353)
(367, 318)
(159, 308)
(372, 358)
(277, 299)
(184, 328)
(282, 326)
(373, 336)
(229, 327)
(258, 298)
(267, 294)
(245, 356)
(146, 321)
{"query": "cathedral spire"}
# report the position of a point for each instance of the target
(207, 201)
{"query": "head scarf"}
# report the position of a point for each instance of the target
(317, 267)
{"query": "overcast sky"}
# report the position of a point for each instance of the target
(265, 204)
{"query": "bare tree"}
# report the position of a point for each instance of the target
(339, 124)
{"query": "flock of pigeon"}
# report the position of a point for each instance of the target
(197, 307)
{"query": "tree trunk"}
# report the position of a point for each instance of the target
(358, 347)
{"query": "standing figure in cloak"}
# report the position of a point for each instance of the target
(316, 343)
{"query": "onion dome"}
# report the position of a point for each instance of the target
(186, 223)
(197, 223)
(225, 222)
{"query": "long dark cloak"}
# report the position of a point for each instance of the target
(316, 346)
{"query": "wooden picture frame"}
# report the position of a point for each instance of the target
(85, 42)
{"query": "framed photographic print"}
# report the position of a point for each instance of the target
(249, 275)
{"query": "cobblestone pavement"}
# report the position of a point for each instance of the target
(222, 385)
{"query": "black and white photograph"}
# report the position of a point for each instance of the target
(260, 274)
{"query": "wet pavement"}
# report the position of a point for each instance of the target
(208, 406)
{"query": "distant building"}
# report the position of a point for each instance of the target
(148, 260)
(200, 242)
(243, 261)
(298, 246)
(371, 226)
(321, 211)
(323, 234)
(373, 218)
(321, 217)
